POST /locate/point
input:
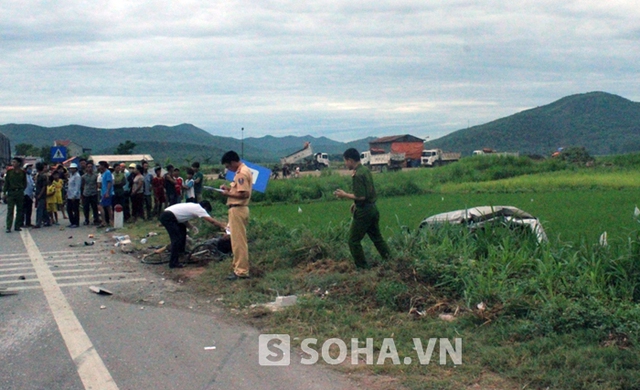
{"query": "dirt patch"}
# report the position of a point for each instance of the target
(327, 266)
(190, 273)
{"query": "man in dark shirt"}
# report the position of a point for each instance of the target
(198, 180)
(170, 186)
(42, 180)
(90, 197)
(366, 217)
(15, 182)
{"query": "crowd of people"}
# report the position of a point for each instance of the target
(58, 193)
(141, 192)
(166, 195)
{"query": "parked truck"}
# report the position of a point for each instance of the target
(493, 152)
(383, 161)
(306, 159)
(436, 157)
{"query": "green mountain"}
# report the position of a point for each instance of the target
(178, 144)
(601, 122)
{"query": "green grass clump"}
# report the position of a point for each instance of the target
(559, 314)
(562, 314)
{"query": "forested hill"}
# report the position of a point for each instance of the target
(601, 122)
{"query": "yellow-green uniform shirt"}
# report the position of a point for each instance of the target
(363, 186)
(242, 182)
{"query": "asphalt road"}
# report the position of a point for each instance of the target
(57, 334)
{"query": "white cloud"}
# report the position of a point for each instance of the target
(345, 69)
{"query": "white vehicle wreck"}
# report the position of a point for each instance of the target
(477, 217)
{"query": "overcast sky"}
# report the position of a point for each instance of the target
(342, 69)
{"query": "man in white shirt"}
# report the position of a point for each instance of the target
(73, 195)
(176, 220)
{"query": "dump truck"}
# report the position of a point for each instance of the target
(306, 159)
(383, 161)
(436, 157)
(493, 152)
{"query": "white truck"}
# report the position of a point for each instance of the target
(382, 161)
(436, 157)
(306, 159)
(491, 152)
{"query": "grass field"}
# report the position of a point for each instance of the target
(565, 214)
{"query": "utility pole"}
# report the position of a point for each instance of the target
(242, 144)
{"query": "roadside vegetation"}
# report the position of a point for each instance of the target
(560, 315)
(471, 174)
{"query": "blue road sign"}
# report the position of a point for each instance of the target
(260, 176)
(58, 154)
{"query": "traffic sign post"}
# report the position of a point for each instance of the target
(58, 154)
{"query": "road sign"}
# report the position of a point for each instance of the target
(58, 154)
(259, 174)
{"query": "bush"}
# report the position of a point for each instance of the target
(576, 155)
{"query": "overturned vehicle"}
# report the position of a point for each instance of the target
(480, 217)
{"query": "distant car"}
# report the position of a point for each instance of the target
(477, 217)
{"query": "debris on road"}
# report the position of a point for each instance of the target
(209, 348)
(102, 307)
(22, 277)
(280, 303)
(122, 240)
(100, 291)
(89, 243)
(151, 234)
(4, 291)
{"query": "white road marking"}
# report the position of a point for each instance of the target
(83, 257)
(85, 283)
(16, 268)
(59, 266)
(17, 281)
(65, 271)
(66, 253)
(14, 264)
(91, 369)
(99, 282)
(15, 256)
(118, 274)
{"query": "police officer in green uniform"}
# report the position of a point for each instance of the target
(15, 182)
(366, 217)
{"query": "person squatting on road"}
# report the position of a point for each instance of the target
(175, 220)
(238, 195)
(366, 217)
(15, 182)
